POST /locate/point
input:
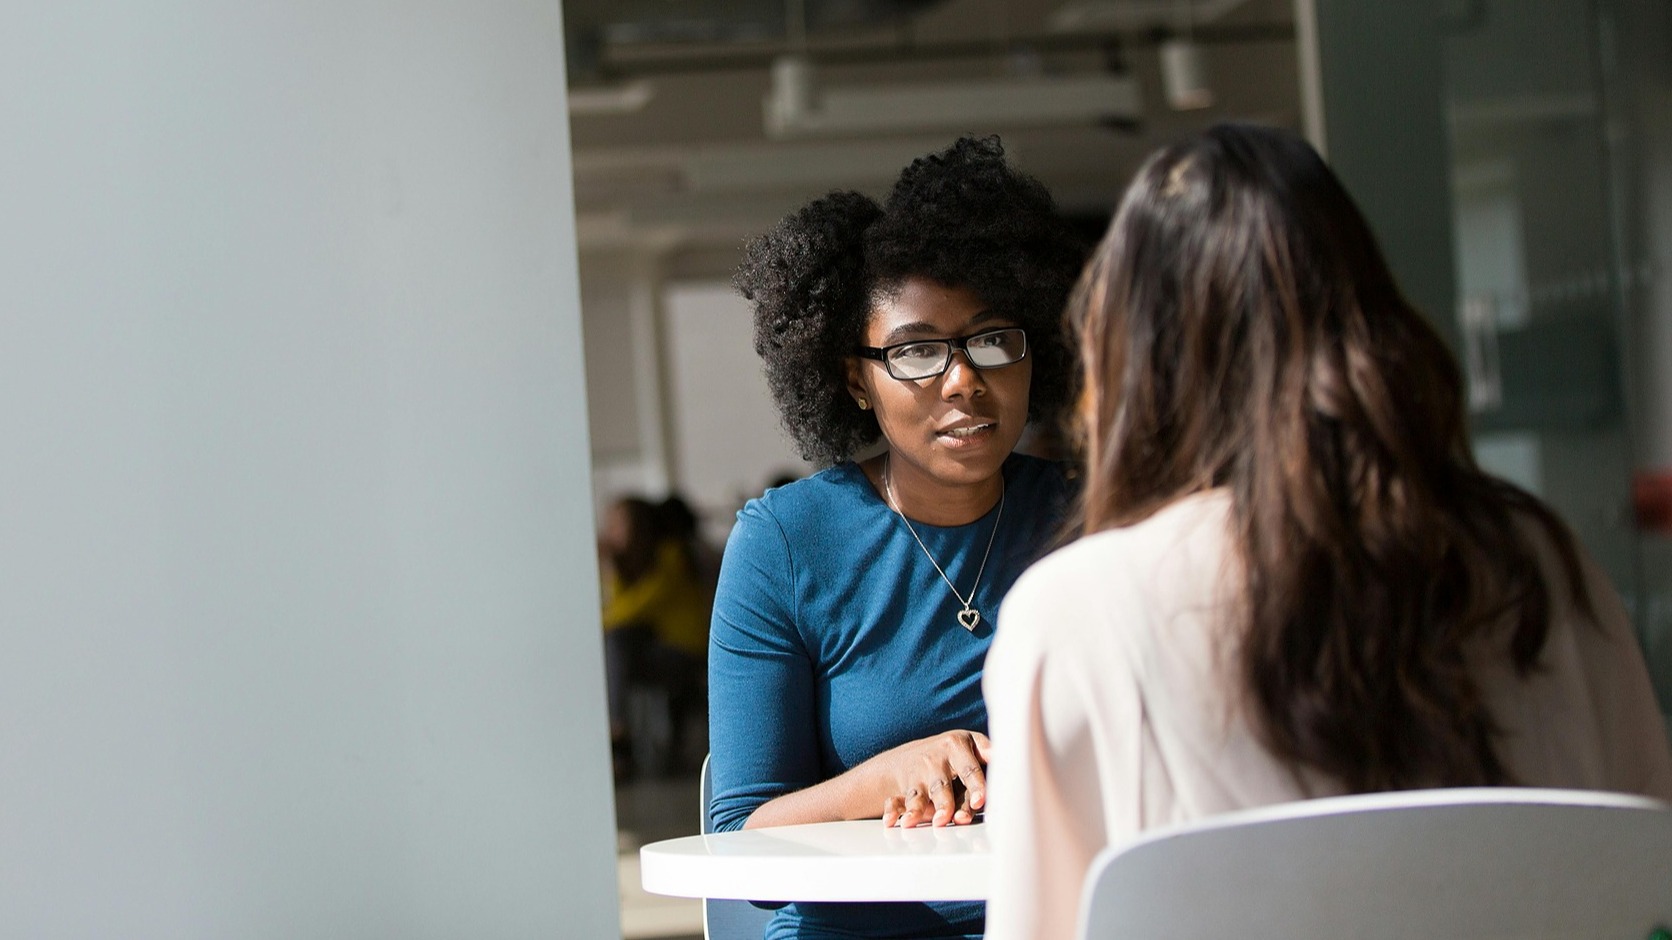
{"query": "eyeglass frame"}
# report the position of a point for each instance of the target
(953, 344)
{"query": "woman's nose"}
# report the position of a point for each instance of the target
(961, 378)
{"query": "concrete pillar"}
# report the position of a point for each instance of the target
(297, 587)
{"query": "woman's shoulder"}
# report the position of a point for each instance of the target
(1025, 471)
(1041, 489)
(831, 493)
(1120, 595)
(1169, 552)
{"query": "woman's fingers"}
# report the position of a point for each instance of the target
(944, 800)
(964, 814)
(969, 761)
(892, 809)
(907, 820)
(940, 780)
(918, 809)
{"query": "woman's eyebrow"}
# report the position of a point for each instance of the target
(912, 330)
(918, 328)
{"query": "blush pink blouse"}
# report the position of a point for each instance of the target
(1114, 707)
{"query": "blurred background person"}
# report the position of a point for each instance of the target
(656, 608)
(678, 523)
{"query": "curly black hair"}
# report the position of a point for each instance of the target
(963, 218)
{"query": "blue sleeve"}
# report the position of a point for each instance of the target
(762, 739)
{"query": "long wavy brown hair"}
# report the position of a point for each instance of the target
(1240, 329)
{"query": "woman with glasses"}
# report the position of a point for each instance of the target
(1293, 579)
(907, 346)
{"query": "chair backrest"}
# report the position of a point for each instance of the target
(724, 919)
(707, 787)
(1444, 864)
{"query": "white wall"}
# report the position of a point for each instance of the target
(607, 291)
(296, 588)
(620, 314)
(676, 393)
(728, 441)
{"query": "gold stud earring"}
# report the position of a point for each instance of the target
(864, 404)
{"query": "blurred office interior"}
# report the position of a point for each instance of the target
(1515, 157)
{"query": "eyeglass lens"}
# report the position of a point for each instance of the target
(931, 357)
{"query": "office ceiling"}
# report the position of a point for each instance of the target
(672, 153)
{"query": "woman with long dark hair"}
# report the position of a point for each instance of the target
(1292, 578)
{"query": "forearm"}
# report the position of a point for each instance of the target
(856, 794)
(937, 780)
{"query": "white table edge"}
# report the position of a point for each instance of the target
(911, 866)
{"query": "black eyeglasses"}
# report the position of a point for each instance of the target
(927, 358)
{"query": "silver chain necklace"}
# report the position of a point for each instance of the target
(969, 617)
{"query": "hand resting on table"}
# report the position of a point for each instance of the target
(938, 780)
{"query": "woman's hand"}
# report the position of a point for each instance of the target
(936, 780)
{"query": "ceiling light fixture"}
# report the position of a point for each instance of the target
(1076, 15)
(628, 98)
(1184, 76)
(795, 105)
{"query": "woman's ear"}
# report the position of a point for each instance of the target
(857, 388)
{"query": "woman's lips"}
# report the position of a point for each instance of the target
(967, 436)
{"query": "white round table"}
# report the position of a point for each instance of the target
(839, 861)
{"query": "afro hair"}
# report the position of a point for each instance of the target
(963, 218)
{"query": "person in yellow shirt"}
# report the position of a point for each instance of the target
(655, 615)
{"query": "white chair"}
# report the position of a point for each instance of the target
(1459, 864)
(723, 919)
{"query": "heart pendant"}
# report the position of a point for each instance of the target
(969, 617)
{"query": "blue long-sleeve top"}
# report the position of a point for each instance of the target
(834, 639)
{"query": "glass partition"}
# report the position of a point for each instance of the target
(1552, 156)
